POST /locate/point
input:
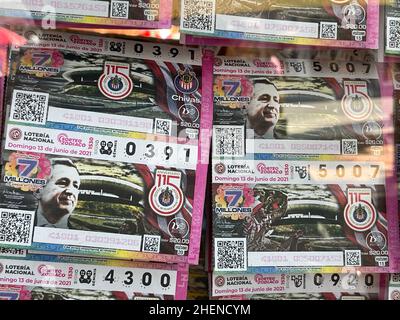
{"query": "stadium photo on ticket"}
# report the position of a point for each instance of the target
(93, 13)
(338, 23)
(301, 169)
(101, 147)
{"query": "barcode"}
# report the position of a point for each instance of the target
(352, 258)
(151, 243)
(119, 9)
(349, 146)
(328, 30)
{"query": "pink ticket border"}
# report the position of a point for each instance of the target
(182, 281)
(3, 68)
(203, 156)
(372, 41)
(391, 176)
(383, 286)
(164, 22)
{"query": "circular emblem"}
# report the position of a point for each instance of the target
(354, 14)
(32, 36)
(357, 106)
(115, 82)
(15, 134)
(376, 240)
(219, 281)
(372, 130)
(219, 168)
(360, 216)
(217, 62)
(178, 228)
(1, 268)
(188, 113)
(166, 200)
(397, 76)
(395, 295)
(186, 81)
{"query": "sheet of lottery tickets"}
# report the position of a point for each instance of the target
(396, 106)
(308, 286)
(302, 167)
(88, 13)
(333, 23)
(106, 147)
(25, 276)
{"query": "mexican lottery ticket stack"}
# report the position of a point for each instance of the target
(52, 14)
(304, 193)
(334, 23)
(105, 149)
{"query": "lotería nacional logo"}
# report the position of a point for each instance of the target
(219, 281)
(186, 81)
(166, 196)
(15, 134)
(220, 168)
(115, 82)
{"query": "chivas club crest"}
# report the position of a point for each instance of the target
(186, 81)
(166, 196)
(115, 82)
(356, 104)
(359, 213)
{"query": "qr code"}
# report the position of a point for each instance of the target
(393, 33)
(16, 227)
(328, 30)
(349, 146)
(230, 254)
(228, 141)
(163, 126)
(29, 106)
(119, 9)
(352, 258)
(198, 15)
(151, 243)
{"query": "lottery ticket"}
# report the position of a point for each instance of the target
(106, 147)
(49, 277)
(302, 169)
(308, 286)
(110, 13)
(337, 23)
(394, 287)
